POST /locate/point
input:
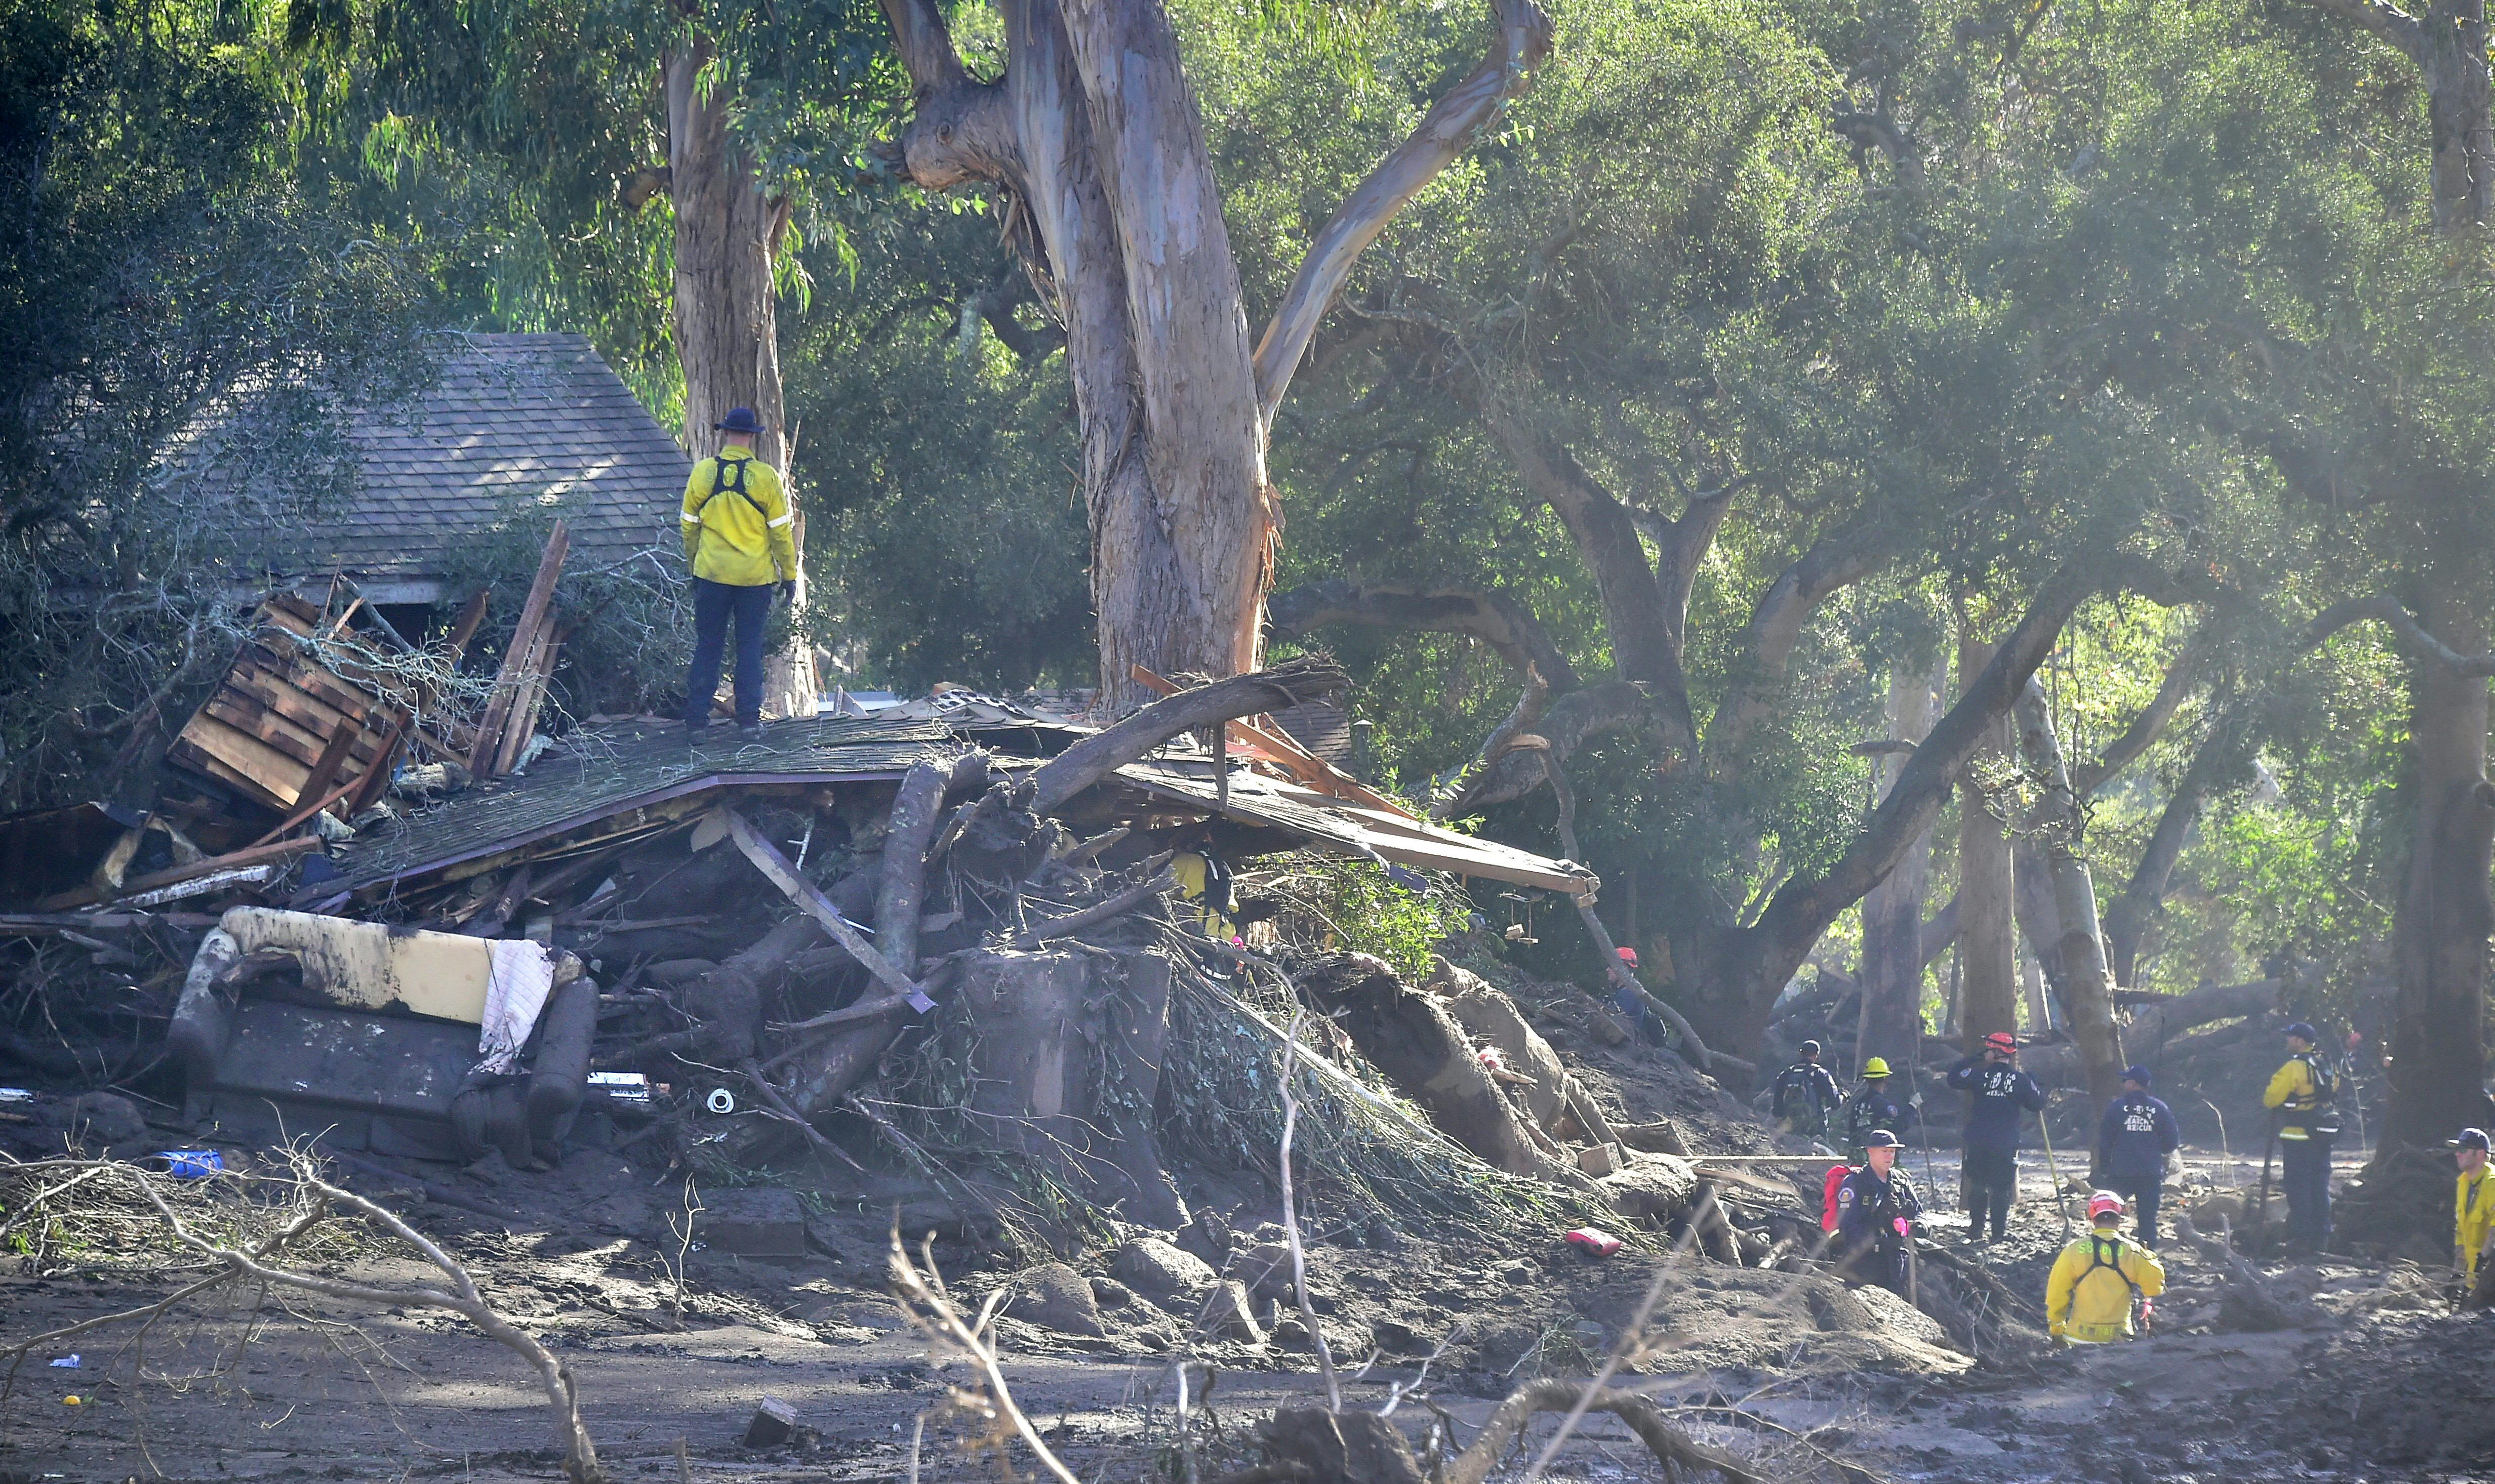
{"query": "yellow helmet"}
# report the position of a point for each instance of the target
(1877, 1066)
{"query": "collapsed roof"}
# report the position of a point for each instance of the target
(612, 786)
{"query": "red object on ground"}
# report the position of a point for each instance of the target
(1594, 1242)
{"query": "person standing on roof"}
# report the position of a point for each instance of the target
(1805, 1095)
(1999, 1096)
(2306, 1091)
(2133, 1143)
(740, 541)
(1871, 1108)
(1876, 1216)
(2100, 1279)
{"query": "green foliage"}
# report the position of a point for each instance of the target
(181, 320)
(1348, 905)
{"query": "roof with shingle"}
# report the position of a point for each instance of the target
(512, 417)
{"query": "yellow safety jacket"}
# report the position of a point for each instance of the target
(2472, 1216)
(2088, 1296)
(742, 537)
(2295, 1092)
(1196, 876)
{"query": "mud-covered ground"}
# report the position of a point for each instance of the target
(2382, 1382)
(673, 1340)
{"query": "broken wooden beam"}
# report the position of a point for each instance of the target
(811, 900)
(272, 854)
(487, 743)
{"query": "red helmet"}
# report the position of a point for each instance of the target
(2104, 1204)
(2002, 1041)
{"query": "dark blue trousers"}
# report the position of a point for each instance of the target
(715, 603)
(2144, 1192)
(2305, 1176)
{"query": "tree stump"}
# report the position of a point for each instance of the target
(1065, 1068)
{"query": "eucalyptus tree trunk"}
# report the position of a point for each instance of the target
(727, 231)
(1987, 939)
(2445, 911)
(1094, 133)
(2441, 925)
(2086, 984)
(1891, 1022)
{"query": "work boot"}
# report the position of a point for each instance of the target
(749, 731)
(693, 736)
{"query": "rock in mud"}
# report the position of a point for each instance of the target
(1158, 1270)
(1651, 1187)
(761, 1222)
(1354, 1447)
(1229, 1312)
(1055, 1296)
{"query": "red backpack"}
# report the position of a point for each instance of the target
(1836, 1174)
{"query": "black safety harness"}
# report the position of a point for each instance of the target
(720, 485)
(2097, 1258)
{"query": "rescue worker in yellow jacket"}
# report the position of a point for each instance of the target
(2306, 1091)
(2472, 1204)
(740, 541)
(2099, 1279)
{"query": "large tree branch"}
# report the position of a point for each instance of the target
(2385, 20)
(1835, 562)
(1573, 720)
(1494, 617)
(925, 42)
(2406, 631)
(1804, 907)
(1523, 39)
(1102, 753)
(1645, 645)
(2145, 728)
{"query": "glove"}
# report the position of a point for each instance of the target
(1903, 1226)
(786, 594)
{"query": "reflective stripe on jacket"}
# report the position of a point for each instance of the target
(730, 538)
(2292, 1090)
(2090, 1301)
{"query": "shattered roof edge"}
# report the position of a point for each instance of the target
(623, 805)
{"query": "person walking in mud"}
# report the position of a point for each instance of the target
(1805, 1095)
(2305, 1093)
(2102, 1287)
(2133, 1145)
(1999, 1097)
(2473, 1210)
(1871, 1108)
(1877, 1217)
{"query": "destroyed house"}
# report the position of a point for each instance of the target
(511, 419)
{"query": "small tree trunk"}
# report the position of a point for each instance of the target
(2440, 929)
(728, 340)
(2086, 984)
(1891, 1023)
(1987, 941)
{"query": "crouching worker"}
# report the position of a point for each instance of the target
(2100, 1279)
(1876, 1219)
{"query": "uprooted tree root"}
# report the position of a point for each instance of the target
(295, 1214)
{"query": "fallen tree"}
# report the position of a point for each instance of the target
(2152, 1026)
